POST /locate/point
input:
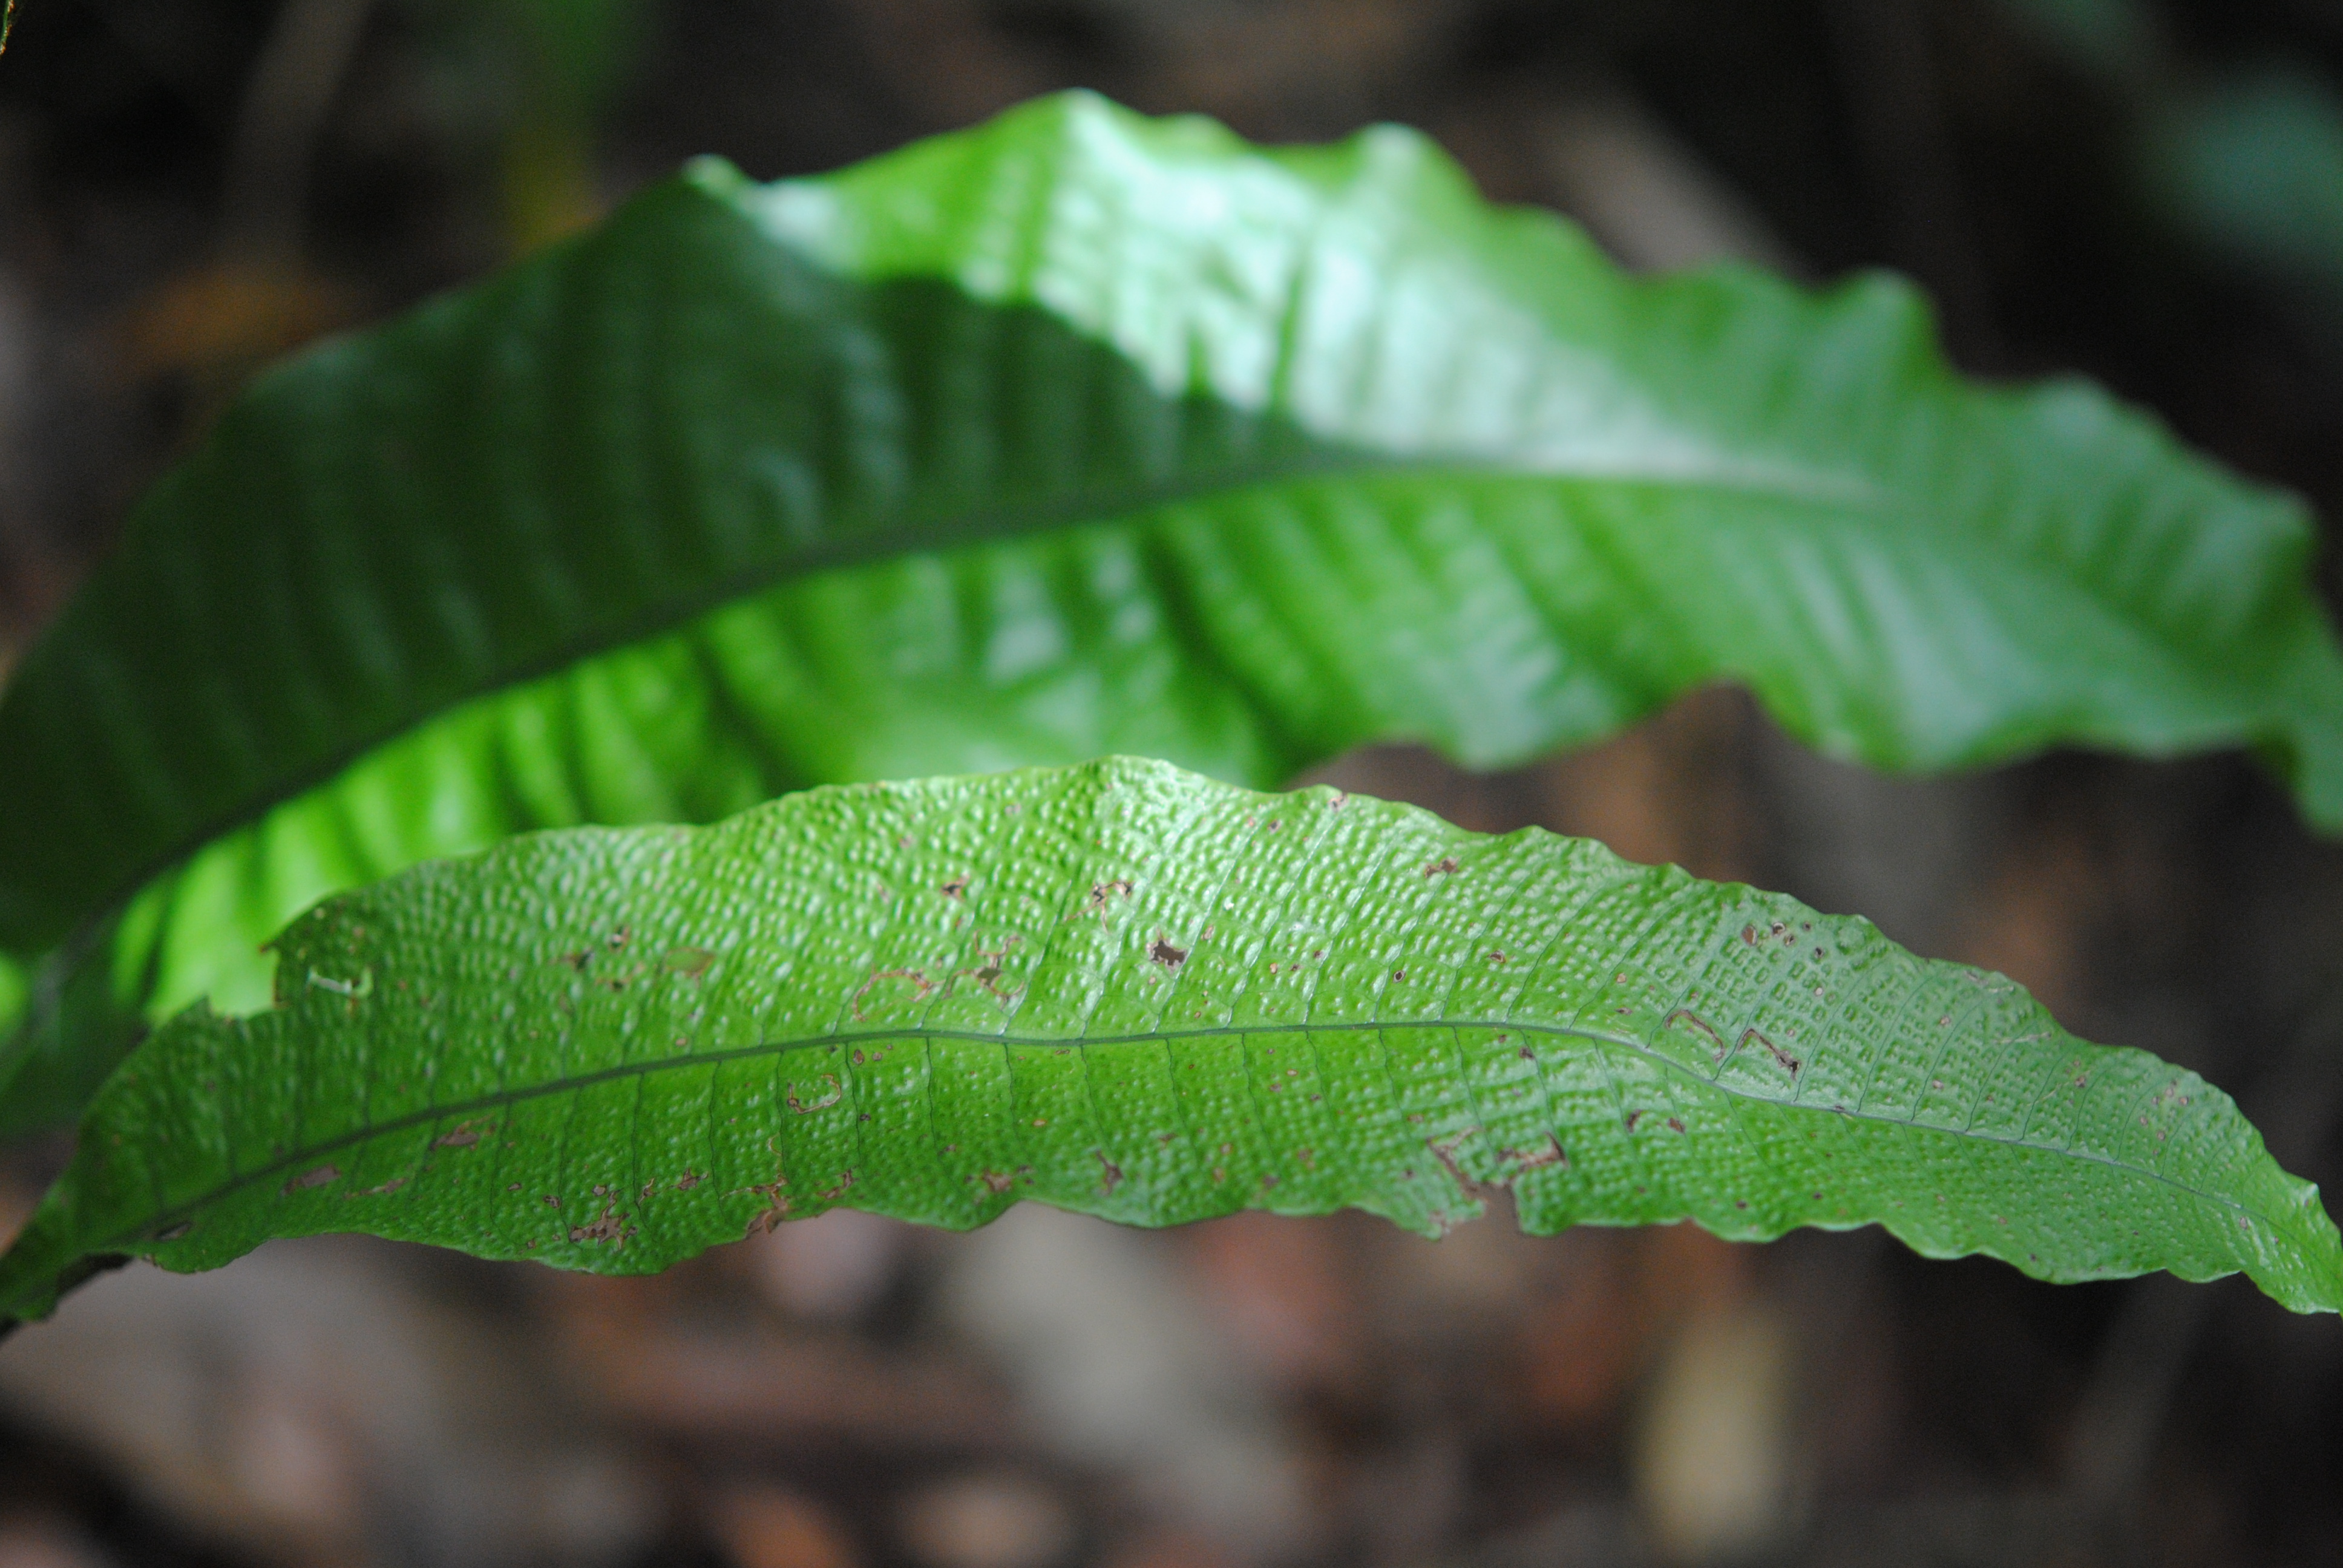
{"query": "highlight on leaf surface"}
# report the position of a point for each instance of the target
(1073, 434)
(1129, 990)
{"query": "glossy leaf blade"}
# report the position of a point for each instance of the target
(1075, 433)
(1129, 990)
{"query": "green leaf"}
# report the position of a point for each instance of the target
(14, 985)
(1074, 433)
(1129, 990)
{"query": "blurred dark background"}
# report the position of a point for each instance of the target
(2151, 194)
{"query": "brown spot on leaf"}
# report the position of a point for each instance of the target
(461, 1135)
(987, 974)
(997, 1182)
(1444, 866)
(919, 980)
(1164, 953)
(1538, 1158)
(832, 1194)
(611, 1227)
(955, 888)
(318, 1178)
(1110, 1173)
(1698, 1022)
(1444, 1150)
(806, 1107)
(1789, 1064)
(777, 1207)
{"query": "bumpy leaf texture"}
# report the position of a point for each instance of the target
(1075, 433)
(1129, 990)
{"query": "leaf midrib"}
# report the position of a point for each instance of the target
(507, 1099)
(980, 527)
